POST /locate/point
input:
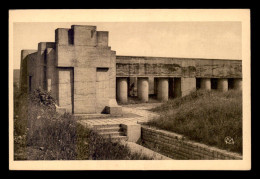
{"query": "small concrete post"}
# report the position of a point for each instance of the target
(143, 89)
(132, 131)
(113, 108)
(205, 84)
(223, 84)
(122, 90)
(238, 84)
(163, 89)
(49, 85)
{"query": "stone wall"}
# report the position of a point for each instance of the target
(177, 147)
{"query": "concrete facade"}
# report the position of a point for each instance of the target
(83, 74)
(78, 69)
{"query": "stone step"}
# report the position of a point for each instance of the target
(109, 129)
(111, 134)
(92, 116)
(98, 126)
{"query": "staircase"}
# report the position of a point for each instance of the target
(113, 131)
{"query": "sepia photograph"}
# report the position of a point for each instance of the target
(129, 89)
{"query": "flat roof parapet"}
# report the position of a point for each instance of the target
(181, 58)
(89, 27)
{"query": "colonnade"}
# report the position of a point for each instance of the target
(163, 87)
(222, 84)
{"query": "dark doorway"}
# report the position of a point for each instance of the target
(231, 83)
(30, 83)
(198, 81)
(214, 83)
(132, 86)
(155, 86)
(171, 88)
(177, 87)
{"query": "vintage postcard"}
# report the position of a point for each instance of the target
(126, 89)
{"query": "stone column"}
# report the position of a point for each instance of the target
(143, 89)
(205, 83)
(223, 84)
(238, 84)
(122, 90)
(163, 89)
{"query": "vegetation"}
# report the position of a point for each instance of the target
(42, 134)
(205, 116)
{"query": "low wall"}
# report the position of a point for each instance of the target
(177, 147)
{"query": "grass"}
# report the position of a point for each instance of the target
(42, 134)
(204, 116)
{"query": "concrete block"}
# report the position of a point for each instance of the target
(84, 35)
(114, 111)
(102, 38)
(113, 108)
(132, 131)
(62, 36)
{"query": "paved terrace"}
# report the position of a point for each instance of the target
(133, 113)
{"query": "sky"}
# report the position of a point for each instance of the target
(213, 40)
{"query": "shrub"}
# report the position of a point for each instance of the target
(60, 137)
(41, 97)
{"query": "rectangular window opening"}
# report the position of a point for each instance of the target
(100, 69)
(30, 83)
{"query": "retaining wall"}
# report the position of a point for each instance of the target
(177, 147)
